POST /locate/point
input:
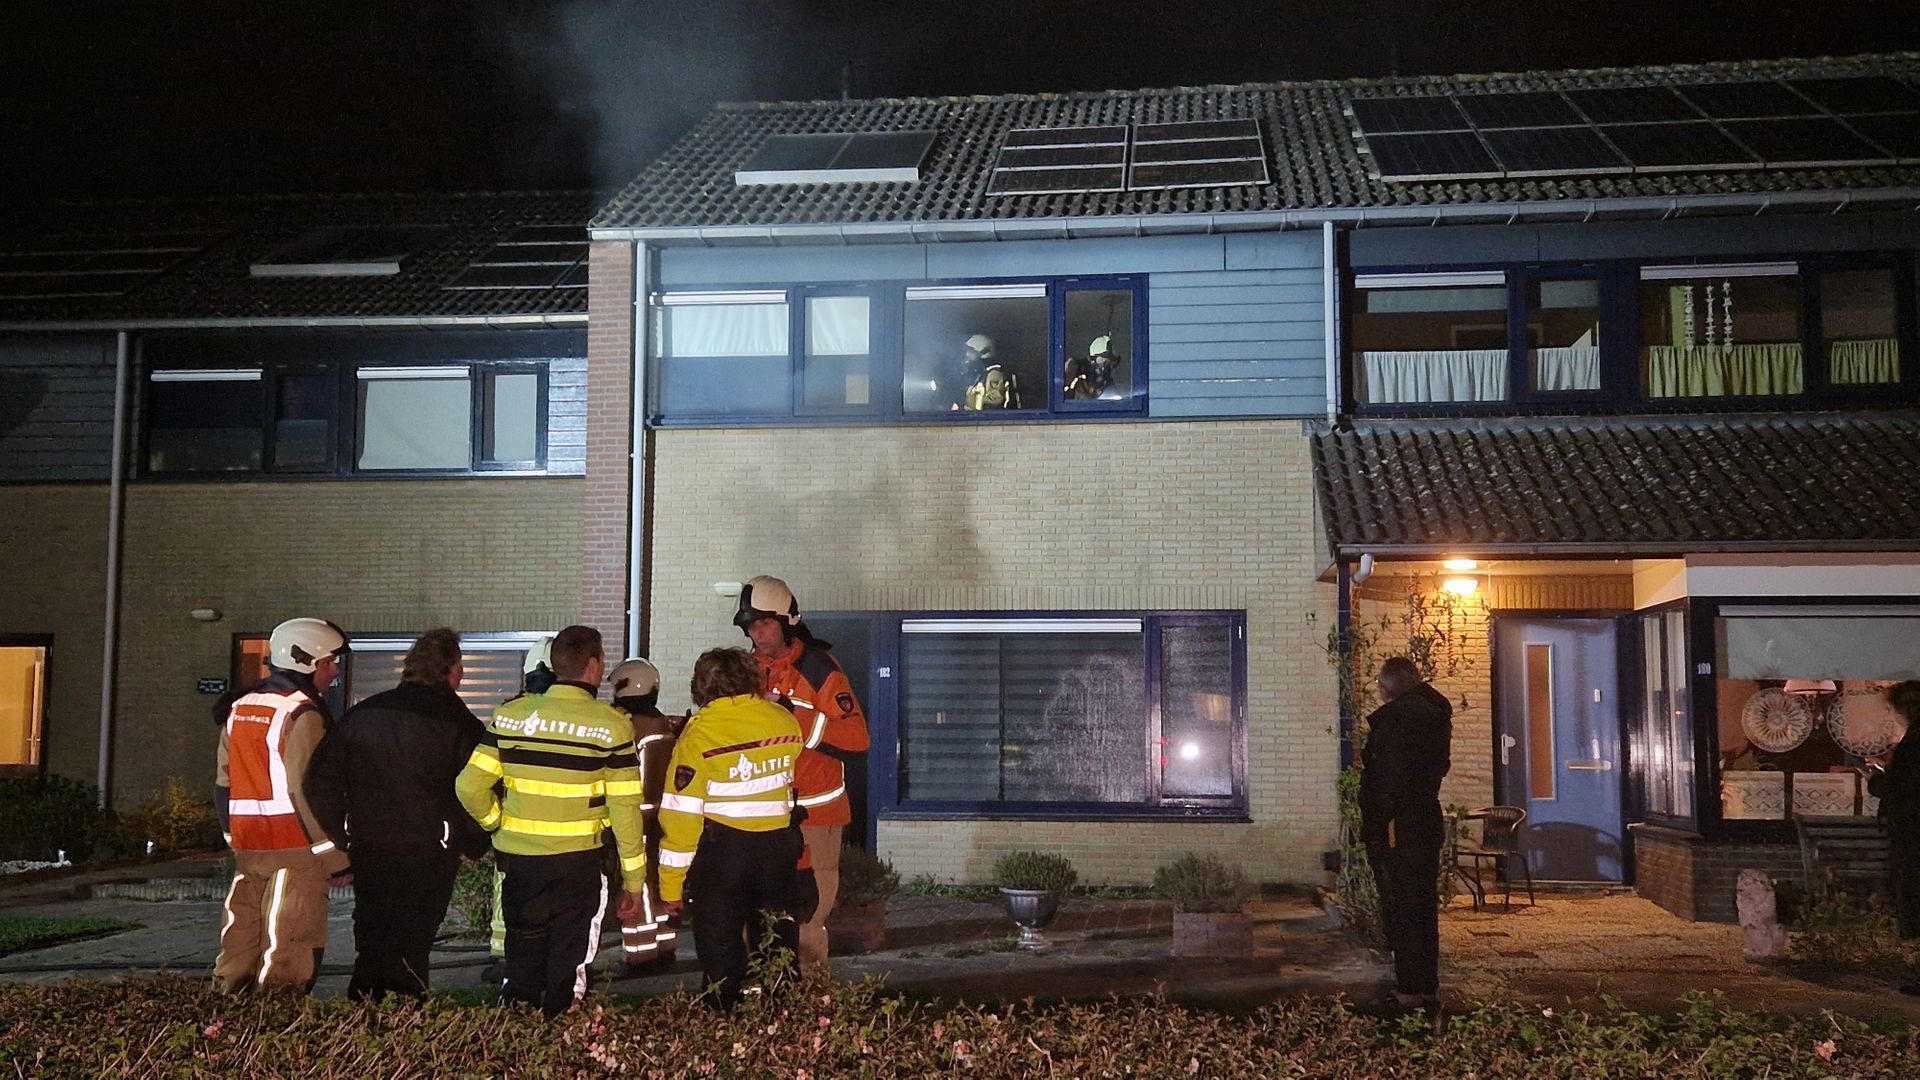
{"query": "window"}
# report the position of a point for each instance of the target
(838, 372)
(490, 663)
(1100, 349)
(976, 348)
(513, 418)
(723, 353)
(1665, 751)
(23, 702)
(1040, 714)
(1801, 698)
(415, 418)
(205, 420)
(303, 420)
(1860, 326)
(1430, 337)
(1563, 335)
(1721, 331)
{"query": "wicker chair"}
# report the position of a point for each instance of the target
(1498, 848)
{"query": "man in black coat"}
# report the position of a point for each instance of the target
(1897, 785)
(1405, 758)
(381, 785)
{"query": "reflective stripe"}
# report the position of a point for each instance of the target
(734, 788)
(531, 827)
(649, 806)
(819, 730)
(273, 924)
(557, 789)
(665, 935)
(679, 860)
(648, 739)
(228, 925)
(623, 788)
(446, 832)
(593, 942)
(798, 704)
(648, 947)
(642, 928)
(493, 817)
(258, 807)
(637, 862)
(822, 800)
(775, 808)
(486, 761)
(322, 847)
(686, 804)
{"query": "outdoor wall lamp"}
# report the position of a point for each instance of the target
(1460, 565)
(1461, 586)
(205, 614)
(727, 588)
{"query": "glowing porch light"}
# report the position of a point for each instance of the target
(1459, 566)
(1461, 586)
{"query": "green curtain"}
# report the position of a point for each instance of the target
(1724, 370)
(1874, 360)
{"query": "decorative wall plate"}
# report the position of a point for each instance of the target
(1864, 723)
(1775, 720)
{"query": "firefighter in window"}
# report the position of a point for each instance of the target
(988, 385)
(1091, 377)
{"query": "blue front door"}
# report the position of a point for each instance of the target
(1557, 743)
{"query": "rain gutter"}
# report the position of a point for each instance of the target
(1603, 549)
(116, 500)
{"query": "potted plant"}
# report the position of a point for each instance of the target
(858, 922)
(1031, 883)
(1209, 906)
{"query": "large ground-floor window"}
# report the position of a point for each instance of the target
(1015, 715)
(23, 702)
(491, 666)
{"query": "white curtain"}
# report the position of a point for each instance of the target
(416, 424)
(1571, 367)
(837, 326)
(1435, 375)
(1874, 360)
(1723, 370)
(727, 330)
(1843, 648)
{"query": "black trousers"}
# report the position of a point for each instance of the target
(399, 901)
(1903, 870)
(1407, 877)
(553, 906)
(742, 885)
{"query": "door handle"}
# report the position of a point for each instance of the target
(1507, 742)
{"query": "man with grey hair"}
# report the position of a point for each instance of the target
(1405, 758)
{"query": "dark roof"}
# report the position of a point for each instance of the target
(222, 238)
(1315, 153)
(1632, 486)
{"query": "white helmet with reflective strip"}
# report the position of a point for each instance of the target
(766, 597)
(1101, 346)
(540, 656)
(981, 344)
(634, 678)
(300, 644)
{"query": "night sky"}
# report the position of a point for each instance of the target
(208, 98)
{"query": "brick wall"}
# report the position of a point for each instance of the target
(1074, 516)
(394, 556)
(1694, 878)
(53, 558)
(604, 505)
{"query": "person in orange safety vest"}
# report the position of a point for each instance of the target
(802, 675)
(275, 927)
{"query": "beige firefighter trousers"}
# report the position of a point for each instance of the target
(276, 922)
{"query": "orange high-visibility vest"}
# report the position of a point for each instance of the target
(260, 809)
(811, 684)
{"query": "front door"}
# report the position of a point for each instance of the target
(1557, 744)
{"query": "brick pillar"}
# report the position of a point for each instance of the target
(606, 516)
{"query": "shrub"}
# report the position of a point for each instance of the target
(865, 878)
(1034, 870)
(1197, 883)
(41, 817)
(176, 818)
(1839, 930)
(473, 894)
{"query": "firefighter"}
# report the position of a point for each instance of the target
(800, 673)
(988, 385)
(636, 692)
(729, 844)
(536, 677)
(276, 909)
(569, 772)
(1092, 377)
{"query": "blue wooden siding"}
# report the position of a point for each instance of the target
(1735, 237)
(56, 407)
(1235, 323)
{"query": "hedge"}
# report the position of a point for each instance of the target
(173, 1027)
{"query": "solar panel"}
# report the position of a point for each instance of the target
(1057, 181)
(1744, 100)
(47, 286)
(1695, 144)
(1543, 109)
(505, 253)
(1433, 155)
(837, 158)
(1198, 174)
(1898, 134)
(1065, 136)
(1200, 150)
(1196, 129)
(575, 278)
(885, 150)
(1631, 104)
(1861, 94)
(546, 234)
(82, 265)
(795, 153)
(1408, 114)
(523, 276)
(1053, 157)
(1814, 140)
(346, 252)
(1046, 161)
(1549, 151)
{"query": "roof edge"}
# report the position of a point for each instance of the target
(1662, 549)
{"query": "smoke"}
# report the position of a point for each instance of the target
(630, 76)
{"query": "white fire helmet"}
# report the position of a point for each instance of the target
(766, 597)
(634, 678)
(540, 656)
(300, 644)
(981, 344)
(1101, 346)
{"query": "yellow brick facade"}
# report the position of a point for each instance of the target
(53, 548)
(1030, 517)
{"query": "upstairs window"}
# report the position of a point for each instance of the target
(204, 420)
(976, 348)
(415, 418)
(1430, 337)
(1860, 326)
(723, 353)
(1563, 335)
(1721, 331)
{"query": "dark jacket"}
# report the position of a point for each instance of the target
(1405, 759)
(383, 779)
(1898, 789)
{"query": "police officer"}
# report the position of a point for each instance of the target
(729, 845)
(636, 692)
(276, 909)
(988, 385)
(569, 772)
(800, 673)
(536, 677)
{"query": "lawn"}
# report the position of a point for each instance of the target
(21, 934)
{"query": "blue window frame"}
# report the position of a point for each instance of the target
(1061, 715)
(900, 352)
(1692, 334)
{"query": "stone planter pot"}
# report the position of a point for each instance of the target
(1032, 910)
(1212, 934)
(853, 929)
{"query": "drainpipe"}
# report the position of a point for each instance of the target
(639, 464)
(1344, 641)
(1330, 315)
(116, 497)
